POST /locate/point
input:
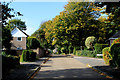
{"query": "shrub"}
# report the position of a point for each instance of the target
(32, 55)
(87, 53)
(115, 53)
(74, 51)
(62, 50)
(28, 55)
(89, 42)
(70, 49)
(106, 55)
(99, 47)
(32, 43)
(116, 41)
(9, 62)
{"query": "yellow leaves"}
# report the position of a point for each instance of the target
(44, 29)
(72, 36)
(103, 29)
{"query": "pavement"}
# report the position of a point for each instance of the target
(60, 67)
(25, 70)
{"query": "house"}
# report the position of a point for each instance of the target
(19, 39)
(115, 36)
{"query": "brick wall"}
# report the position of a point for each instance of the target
(15, 43)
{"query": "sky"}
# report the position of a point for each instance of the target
(35, 13)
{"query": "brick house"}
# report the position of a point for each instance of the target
(115, 36)
(19, 39)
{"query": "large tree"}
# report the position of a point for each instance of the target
(16, 23)
(112, 22)
(40, 35)
(6, 14)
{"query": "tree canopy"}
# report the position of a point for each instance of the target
(16, 23)
(74, 24)
(6, 14)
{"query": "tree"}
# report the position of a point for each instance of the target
(32, 43)
(16, 23)
(40, 35)
(6, 14)
(113, 20)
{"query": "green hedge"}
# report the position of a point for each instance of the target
(32, 43)
(87, 53)
(98, 48)
(106, 55)
(9, 62)
(28, 55)
(115, 53)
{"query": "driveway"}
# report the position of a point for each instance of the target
(61, 67)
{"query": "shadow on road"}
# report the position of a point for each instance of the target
(110, 71)
(69, 74)
(73, 79)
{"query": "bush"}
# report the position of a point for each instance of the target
(89, 42)
(115, 53)
(74, 51)
(63, 50)
(9, 62)
(116, 41)
(32, 43)
(70, 49)
(106, 55)
(87, 53)
(99, 47)
(28, 55)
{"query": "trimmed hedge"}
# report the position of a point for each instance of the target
(106, 55)
(115, 53)
(89, 42)
(98, 47)
(28, 55)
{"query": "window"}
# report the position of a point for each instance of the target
(19, 48)
(19, 39)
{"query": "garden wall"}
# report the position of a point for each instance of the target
(40, 52)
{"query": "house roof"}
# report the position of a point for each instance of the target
(117, 35)
(17, 32)
(23, 32)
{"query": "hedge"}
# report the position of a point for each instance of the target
(9, 62)
(32, 43)
(89, 42)
(116, 41)
(115, 53)
(106, 55)
(87, 53)
(28, 55)
(98, 48)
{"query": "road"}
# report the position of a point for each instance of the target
(63, 68)
(90, 61)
